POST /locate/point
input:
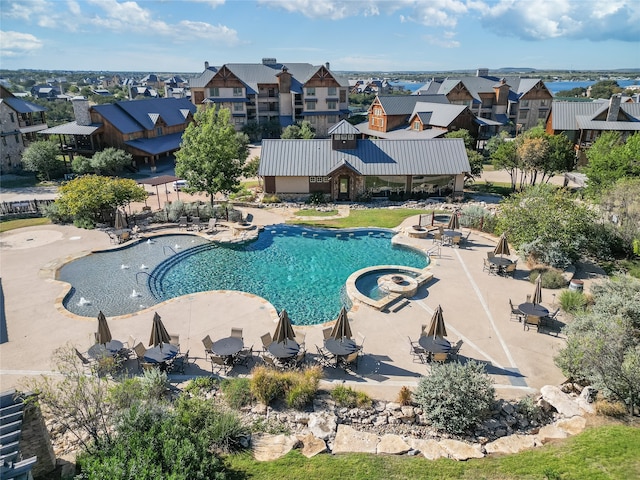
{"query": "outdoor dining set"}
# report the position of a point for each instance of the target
(432, 346)
(451, 236)
(497, 263)
(533, 313)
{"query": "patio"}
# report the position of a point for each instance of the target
(476, 305)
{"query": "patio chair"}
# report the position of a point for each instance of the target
(455, 350)
(269, 361)
(113, 238)
(361, 344)
(325, 358)
(208, 343)
(243, 357)
(530, 320)
(218, 364)
(130, 343)
(149, 365)
(490, 255)
(417, 352)
(182, 223)
(85, 361)
(326, 333)
(236, 333)
(464, 241)
(175, 339)
(179, 363)
(300, 359)
(300, 338)
(350, 360)
(437, 238)
(440, 357)
(140, 351)
(455, 241)
(510, 269)
(516, 315)
(423, 330)
(266, 340)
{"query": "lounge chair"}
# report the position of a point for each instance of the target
(182, 223)
(211, 228)
(195, 224)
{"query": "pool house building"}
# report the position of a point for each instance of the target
(347, 167)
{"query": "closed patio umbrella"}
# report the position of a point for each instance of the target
(104, 334)
(437, 327)
(454, 223)
(342, 329)
(284, 330)
(502, 248)
(537, 294)
(159, 333)
(119, 223)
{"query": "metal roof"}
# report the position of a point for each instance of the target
(586, 122)
(404, 104)
(72, 128)
(294, 158)
(22, 106)
(134, 116)
(440, 115)
(343, 127)
(403, 133)
(157, 145)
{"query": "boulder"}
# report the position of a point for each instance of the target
(572, 426)
(312, 445)
(268, 447)
(550, 432)
(349, 440)
(563, 403)
(511, 444)
(322, 425)
(393, 445)
(461, 450)
(430, 449)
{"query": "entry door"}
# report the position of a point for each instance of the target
(343, 188)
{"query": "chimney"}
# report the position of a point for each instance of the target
(326, 65)
(206, 65)
(81, 111)
(614, 108)
(482, 72)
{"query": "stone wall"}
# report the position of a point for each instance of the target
(35, 440)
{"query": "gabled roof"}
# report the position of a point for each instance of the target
(405, 104)
(21, 106)
(157, 145)
(403, 133)
(570, 116)
(486, 84)
(136, 115)
(343, 127)
(295, 158)
(437, 114)
(72, 128)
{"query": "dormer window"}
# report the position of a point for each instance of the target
(416, 125)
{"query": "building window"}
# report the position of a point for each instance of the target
(377, 111)
(544, 102)
(350, 136)
(524, 104)
(333, 91)
(312, 179)
(215, 92)
(13, 119)
(523, 114)
(542, 114)
(311, 91)
(238, 107)
(325, 179)
(239, 121)
(237, 91)
(416, 125)
(311, 105)
(343, 96)
(159, 131)
(332, 105)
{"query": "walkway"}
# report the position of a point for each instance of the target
(475, 307)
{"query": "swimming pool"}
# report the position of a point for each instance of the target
(299, 269)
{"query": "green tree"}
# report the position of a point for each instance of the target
(476, 161)
(533, 152)
(610, 159)
(547, 224)
(212, 154)
(90, 197)
(110, 161)
(469, 141)
(42, 158)
(302, 130)
(572, 93)
(505, 157)
(251, 167)
(621, 205)
(603, 344)
(562, 156)
(605, 89)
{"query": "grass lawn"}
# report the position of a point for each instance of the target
(7, 225)
(311, 212)
(607, 452)
(498, 188)
(370, 217)
(250, 184)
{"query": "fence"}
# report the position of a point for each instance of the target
(25, 207)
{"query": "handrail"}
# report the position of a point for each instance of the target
(164, 249)
(436, 249)
(145, 273)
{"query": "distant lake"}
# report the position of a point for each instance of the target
(554, 87)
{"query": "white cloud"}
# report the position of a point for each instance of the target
(211, 3)
(25, 10)
(573, 19)
(14, 44)
(334, 10)
(445, 41)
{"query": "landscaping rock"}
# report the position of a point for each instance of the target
(549, 433)
(461, 451)
(511, 444)
(312, 445)
(268, 447)
(349, 440)
(393, 445)
(563, 403)
(322, 425)
(572, 426)
(430, 449)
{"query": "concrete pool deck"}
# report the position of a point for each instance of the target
(475, 304)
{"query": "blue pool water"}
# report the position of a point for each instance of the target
(300, 270)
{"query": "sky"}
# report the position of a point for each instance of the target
(160, 36)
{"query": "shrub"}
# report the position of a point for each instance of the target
(474, 216)
(404, 396)
(153, 384)
(266, 385)
(527, 407)
(304, 387)
(237, 392)
(52, 212)
(350, 398)
(271, 199)
(316, 198)
(610, 409)
(200, 385)
(455, 396)
(551, 278)
(296, 388)
(124, 394)
(572, 301)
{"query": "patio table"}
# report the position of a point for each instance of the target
(227, 347)
(100, 350)
(500, 262)
(341, 347)
(285, 349)
(434, 344)
(452, 233)
(161, 353)
(533, 309)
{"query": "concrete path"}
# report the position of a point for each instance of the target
(475, 307)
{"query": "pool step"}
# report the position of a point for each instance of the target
(424, 278)
(400, 305)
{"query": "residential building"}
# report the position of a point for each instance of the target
(347, 167)
(274, 92)
(512, 103)
(19, 122)
(48, 91)
(416, 117)
(147, 129)
(584, 122)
